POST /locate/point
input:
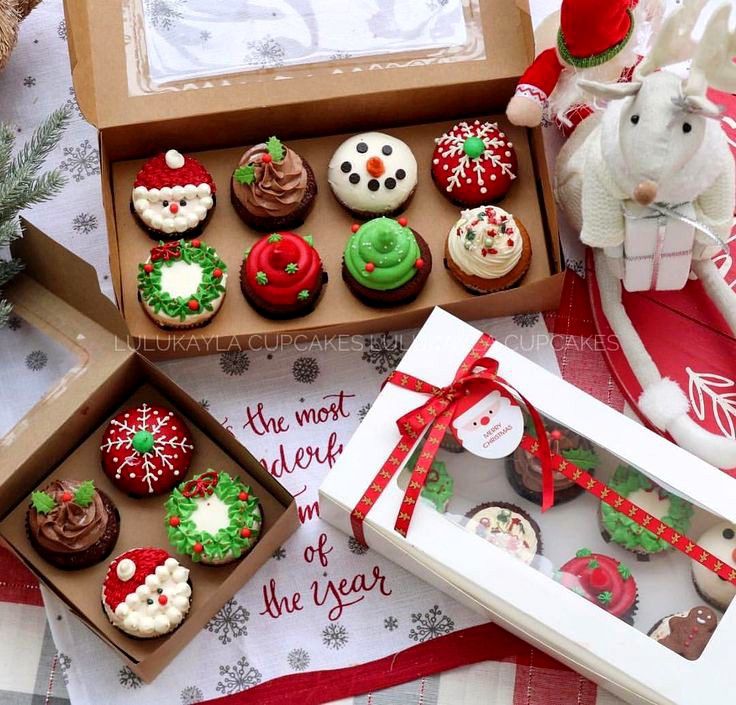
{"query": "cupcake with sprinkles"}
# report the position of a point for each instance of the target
(282, 275)
(488, 250)
(182, 284)
(386, 263)
(474, 164)
(214, 518)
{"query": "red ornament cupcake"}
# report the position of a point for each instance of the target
(282, 275)
(603, 581)
(146, 450)
(474, 164)
(173, 196)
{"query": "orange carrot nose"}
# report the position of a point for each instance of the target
(375, 167)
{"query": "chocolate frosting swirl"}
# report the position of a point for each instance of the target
(69, 528)
(278, 188)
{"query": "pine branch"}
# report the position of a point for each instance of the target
(41, 189)
(5, 309)
(7, 142)
(9, 231)
(8, 269)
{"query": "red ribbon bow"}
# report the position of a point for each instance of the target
(202, 486)
(167, 251)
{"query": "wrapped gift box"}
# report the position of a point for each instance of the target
(452, 543)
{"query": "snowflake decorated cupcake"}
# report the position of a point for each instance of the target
(273, 188)
(474, 164)
(146, 450)
(146, 593)
(182, 284)
(507, 527)
(282, 275)
(665, 506)
(602, 580)
(72, 524)
(373, 174)
(488, 250)
(720, 540)
(386, 263)
(214, 518)
(173, 196)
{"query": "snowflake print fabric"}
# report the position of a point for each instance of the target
(430, 624)
(230, 622)
(146, 450)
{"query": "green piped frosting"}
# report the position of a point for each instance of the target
(390, 247)
(439, 485)
(226, 543)
(625, 531)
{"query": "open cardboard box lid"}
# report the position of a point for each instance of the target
(97, 38)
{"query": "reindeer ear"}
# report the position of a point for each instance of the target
(610, 91)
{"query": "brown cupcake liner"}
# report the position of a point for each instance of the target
(706, 598)
(158, 235)
(370, 215)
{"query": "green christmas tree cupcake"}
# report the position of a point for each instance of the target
(438, 487)
(639, 489)
(386, 263)
(214, 518)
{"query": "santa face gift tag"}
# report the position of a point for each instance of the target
(488, 424)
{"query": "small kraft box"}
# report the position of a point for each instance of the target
(414, 96)
(569, 524)
(60, 439)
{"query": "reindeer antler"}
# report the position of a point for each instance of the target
(713, 59)
(674, 42)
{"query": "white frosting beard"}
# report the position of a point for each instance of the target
(382, 153)
(149, 205)
(507, 530)
(181, 280)
(713, 540)
(472, 238)
(135, 616)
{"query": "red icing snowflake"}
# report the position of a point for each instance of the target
(146, 450)
(474, 164)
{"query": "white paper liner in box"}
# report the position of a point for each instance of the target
(534, 606)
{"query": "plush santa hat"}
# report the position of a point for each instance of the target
(146, 592)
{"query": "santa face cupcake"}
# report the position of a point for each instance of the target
(273, 188)
(146, 450)
(282, 275)
(373, 174)
(71, 524)
(214, 518)
(173, 196)
(507, 527)
(488, 250)
(386, 263)
(182, 284)
(720, 540)
(474, 164)
(146, 593)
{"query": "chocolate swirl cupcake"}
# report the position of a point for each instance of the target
(71, 524)
(386, 263)
(273, 188)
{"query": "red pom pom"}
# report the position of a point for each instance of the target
(245, 532)
(196, 243)
(369, 267)
(217, 273)
(243, 496)
(403, 222)
(419, 263)
(147, 267)
(193, 305)
(67, 497)
(266, 158)
(174, 521)
(355, 227)
(198, 547)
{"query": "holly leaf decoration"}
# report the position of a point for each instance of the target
(584, 553)
(583, 458)
(42, 502)
(303, 295)
(605, 598)
(245, 174)
(261, 278)
(624, 571)
(276, 237)
(275, 149)
(85, 494)
(309, 240)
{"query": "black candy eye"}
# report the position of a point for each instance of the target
(354, 178)
(362, 147)
(166, 203)
(373, 185)
(687, 127)
(634, 119)
(728, 534)
(346, 167)
(160, 590)
(388, 150)
(183, 202)
(390, 183)
(149, 601)
(400, 174)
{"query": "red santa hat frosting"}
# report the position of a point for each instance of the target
(173, 169)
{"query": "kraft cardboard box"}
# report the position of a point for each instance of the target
(60, 438)
(312, 111)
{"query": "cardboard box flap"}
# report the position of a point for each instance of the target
(100, 70)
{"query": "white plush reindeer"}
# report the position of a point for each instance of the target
(650, 184)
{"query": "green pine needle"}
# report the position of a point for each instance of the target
(85, 494)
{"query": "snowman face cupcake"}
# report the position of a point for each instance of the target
(373, 174)
(146, 593)
(720, 540)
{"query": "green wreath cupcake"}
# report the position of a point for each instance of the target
(214, 518)
(386, 263)
(182, 284)
(639, 489)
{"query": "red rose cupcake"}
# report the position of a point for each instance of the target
(282, 275)
(146, 450)
(474, 164)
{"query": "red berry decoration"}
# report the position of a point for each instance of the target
(370, 267)
(196, 243)
(162, 599)
(245, 532)
(403, 222)
(198, 547)
(355, 227)
(67, 497)
(419, 264)
(193, 305)
(174, 521)
(266, 158)
(147, 267)
(243, 496)
(217, 273)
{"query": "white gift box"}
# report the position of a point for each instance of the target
(525, 599)
(657, 249)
